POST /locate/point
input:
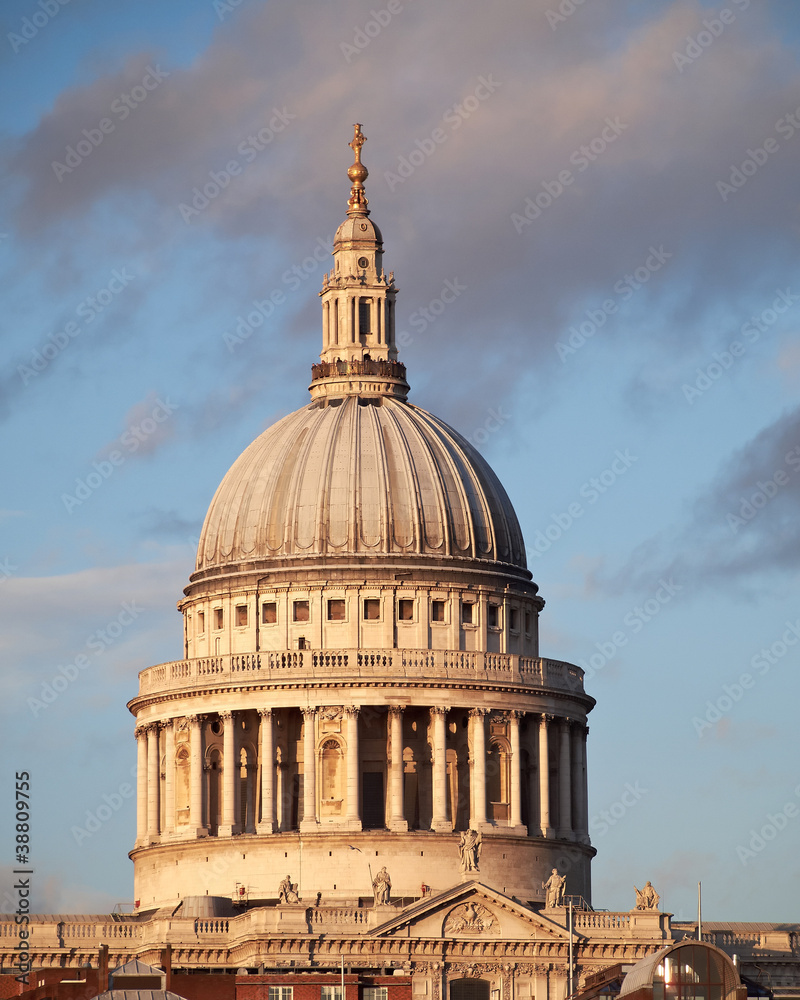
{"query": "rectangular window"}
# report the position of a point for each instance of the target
(364, 321)
(331, 993)
(280, 992)
(201, 621)
(300, 611)
(336, 609)
(241, 614)
(513, 619)
(437, 611)
(467, 614)
(494, 616)
(269, 613)
(405, 609)
(217, 617)
(372, 609)
(527, 623)
(375, 993)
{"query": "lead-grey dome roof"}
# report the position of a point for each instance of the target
(374, 477)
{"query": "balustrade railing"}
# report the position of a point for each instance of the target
(402, 664)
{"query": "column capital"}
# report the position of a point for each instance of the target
(140, 731)
(475, 713)
(351, 709)
(196, 719)
(226, 716)
(310, 711)
(265, 713)
(546, 717)
(395, 710)
(516, 713)
(440, 709)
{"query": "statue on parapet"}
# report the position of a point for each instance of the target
(381, 887)
(469, 848)
(647, 898)
(287, 891)
(554, 889)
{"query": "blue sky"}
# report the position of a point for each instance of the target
(615, 189)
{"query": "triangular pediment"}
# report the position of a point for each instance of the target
(471, 910)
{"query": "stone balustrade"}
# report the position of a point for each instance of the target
(400, 665)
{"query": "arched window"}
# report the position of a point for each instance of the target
(498, 779)
(331, 778)
(469, 989)
(214, 772)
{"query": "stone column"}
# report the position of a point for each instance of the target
(397, 820)
(153, 770)
(544, 778)
(564, 785)
(141, 785)
(352, 814)
(169, 778)
(309, 821)
(515, 820)
(229, 826)
(196, 776)
(478, 774)
(582, 788)
(267, 822)
(439, 822)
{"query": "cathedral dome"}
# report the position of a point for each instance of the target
(360, 477)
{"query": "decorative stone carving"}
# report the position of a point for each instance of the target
(647, 898)
(381, 887)
(470, 918)
(287, 891)
(469, 848)
(554, 887)
(332, 713)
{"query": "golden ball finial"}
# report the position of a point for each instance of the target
(358, 173)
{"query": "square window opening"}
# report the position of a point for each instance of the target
(372, 609)
(494, 616)
(405, 609)
(218, 618)
(336, 609)
(241, 614)
(269, 613)
(300, 611)
(201, 621)
(437, 611)
(467, 614)
(513, 619)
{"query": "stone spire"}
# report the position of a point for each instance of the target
(359, 354)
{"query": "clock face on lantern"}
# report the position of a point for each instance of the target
(363, 262)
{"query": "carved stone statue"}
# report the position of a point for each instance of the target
(469, 848)
(381, 887)
(647, 898)
(287, 891)
(554, 887)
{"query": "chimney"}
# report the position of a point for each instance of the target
(102, 969)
